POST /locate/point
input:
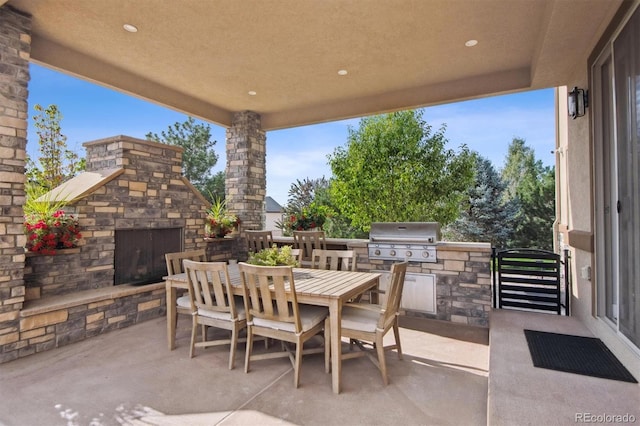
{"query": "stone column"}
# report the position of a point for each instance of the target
(15, 48)
(246, 182)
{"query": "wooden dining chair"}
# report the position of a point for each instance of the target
(367, 324)
(297, 254)
(273, 312)
(174, 266)
(258, 240)
(307, 241)
(213, 305)
(336, 260)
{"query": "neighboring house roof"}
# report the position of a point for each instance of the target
(272, 206)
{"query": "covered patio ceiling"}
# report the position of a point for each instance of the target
(204, 57)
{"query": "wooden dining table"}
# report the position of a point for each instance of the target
(313, 287)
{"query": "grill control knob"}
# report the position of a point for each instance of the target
(408, 253)
(377, 252)
(426, 254)
(392, 253)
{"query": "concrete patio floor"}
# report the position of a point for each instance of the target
(129, 377)
(521, 394)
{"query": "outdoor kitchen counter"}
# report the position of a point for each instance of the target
(459, 289)
(463, 246)
(332, 243)
(353, 243)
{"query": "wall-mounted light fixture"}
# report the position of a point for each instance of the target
(577, 102)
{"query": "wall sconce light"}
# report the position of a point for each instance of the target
(577, 102)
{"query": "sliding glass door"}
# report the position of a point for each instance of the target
(616, 86)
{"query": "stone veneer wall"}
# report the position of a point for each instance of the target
(463, 280)
(246, 169)
(15, 48)
(64, 320)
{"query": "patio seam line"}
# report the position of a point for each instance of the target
(259, 393)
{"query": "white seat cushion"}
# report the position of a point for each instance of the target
(224, 315)
(184, 301)
(360, 319)
(309, 317)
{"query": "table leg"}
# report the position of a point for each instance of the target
(171, 315)
(374, 293)
(335, 314)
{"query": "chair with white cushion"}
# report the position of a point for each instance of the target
(273, 312)
(214, 305)
(174, 266)
(367, 324)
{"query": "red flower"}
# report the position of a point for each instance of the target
(46, 233)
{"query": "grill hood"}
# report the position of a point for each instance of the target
(419, 232)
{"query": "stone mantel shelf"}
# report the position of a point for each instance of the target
(220, 240)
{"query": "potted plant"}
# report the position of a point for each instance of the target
(273, 256)
(220, 221)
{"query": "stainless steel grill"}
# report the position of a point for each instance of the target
(412, 241)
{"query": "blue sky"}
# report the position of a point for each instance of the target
(487, 126)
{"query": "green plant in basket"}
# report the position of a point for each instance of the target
(220, 221)
(273, 256)
(311, 217)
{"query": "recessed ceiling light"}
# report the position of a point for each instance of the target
(471, 43)
(342, 72)
(130, 28)
(252, 92)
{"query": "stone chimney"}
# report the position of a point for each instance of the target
(146, 158)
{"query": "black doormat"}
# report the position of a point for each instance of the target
(575, 354)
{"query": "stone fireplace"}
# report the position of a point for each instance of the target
(132, 188)
(133, 206)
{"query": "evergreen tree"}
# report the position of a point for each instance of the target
(532, 186)
(487, 215)
(198, 158)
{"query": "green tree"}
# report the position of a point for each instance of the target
(532, 186)
(394, 169)
(56, 163)
(520, 166)
(213, 188)
(303, 192)
(487, 215)
(305, 197)
(199, 156)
